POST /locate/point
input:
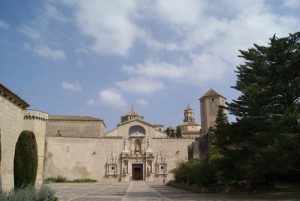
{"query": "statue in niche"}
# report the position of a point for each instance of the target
(149, 167)
(125, 168)
(137, 149)
(148, 144)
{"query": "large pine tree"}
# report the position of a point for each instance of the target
(265, 139)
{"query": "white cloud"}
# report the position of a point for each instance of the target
(140, 85)
(108, 23)
(51, 13)
(206, 68)
(30, 32)
(112, 98)
(292, 4)
(47, 52)
(91, 102)
(201, 69)
(142, 102)
(71, 86)
(156, 70)
(180, 12)
(3, 25)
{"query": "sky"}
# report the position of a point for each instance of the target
(100, 58)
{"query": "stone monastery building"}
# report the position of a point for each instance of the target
(78, 147)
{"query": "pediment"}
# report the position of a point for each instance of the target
(136, 121)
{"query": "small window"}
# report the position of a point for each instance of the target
(112, 168)
(212, 99)
(162, 167)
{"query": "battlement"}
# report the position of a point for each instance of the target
(35, 115)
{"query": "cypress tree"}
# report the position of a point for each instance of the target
(26, 160)
(178, 132)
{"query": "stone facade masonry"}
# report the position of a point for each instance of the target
(35, 121)
(77, 147)
(11, 125)
(75, 126)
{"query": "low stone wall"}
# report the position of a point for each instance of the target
(223, 189)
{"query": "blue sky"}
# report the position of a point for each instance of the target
(101, 57)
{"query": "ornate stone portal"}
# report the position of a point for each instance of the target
(137, 158)
(112, 166)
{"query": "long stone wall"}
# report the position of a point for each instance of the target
(75, 128)
(11, 125)
(78, 158)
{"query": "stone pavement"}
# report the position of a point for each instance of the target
(144, 191)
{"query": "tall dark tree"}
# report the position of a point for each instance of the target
(26, 160)
(219, 136)
(178, 132)
(265, 140)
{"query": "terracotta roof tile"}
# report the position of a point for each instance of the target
(73, 118)
(13, 97)
(210, 93)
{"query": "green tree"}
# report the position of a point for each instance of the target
(168, 132)
(265, 139)
(25, 160)
(178, 132)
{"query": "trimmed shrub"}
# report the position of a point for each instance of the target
(26, 160)
(87, 180)
(61, 179)
(58, 179)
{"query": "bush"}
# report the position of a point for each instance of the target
(84, 180)
(206, 175)
(61, 179)
(58, 179)
(25, 160)
(29, 193)
(194, 172)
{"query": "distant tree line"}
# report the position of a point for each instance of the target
(172, 133)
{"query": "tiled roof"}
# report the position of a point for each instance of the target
(188, 107)
(5, 92)
(132, 112)
(73, 118)
(210, 93)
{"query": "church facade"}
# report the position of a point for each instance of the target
(78, 147)
(134, 150)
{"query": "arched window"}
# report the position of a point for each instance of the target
(135, 129)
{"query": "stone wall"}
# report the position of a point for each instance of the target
(75, 127)
(35, 121)
(175, 150)
(78, 158)
(11, 125)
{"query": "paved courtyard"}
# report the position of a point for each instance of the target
(139, 190)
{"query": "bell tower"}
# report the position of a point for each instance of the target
(209, 105)
(189, 114)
